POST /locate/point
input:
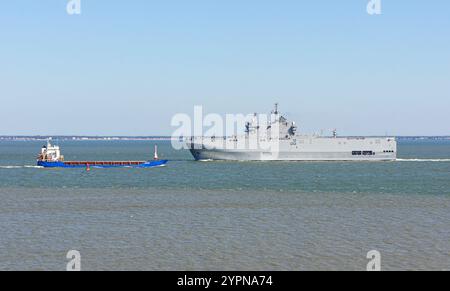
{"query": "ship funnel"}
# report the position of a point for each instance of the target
(156, 153)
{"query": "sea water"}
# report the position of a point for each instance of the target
(223, 215)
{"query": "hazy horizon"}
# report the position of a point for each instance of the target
(44, 136)
(124, 69)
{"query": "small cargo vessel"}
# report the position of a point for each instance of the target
(50, 157)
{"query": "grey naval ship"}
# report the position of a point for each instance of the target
(278, 140)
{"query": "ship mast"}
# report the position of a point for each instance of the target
(156, 153)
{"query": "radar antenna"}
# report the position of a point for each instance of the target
(276, 109)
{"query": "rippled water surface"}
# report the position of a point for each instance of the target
(223, 215)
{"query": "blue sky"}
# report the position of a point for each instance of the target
(126, 67)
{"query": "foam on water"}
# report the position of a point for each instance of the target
(21, 167)
(423, 160)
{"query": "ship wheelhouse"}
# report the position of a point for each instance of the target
(50, 153)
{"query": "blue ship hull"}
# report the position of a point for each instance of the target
(148, 164)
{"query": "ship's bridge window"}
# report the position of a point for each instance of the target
(356, 153)
(368, 153)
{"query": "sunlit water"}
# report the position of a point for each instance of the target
(223, 215)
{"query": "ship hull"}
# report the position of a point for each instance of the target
(300, 149)
(218, 155)
(98, 164)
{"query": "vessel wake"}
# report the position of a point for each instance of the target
(21, 167)
(423, 160)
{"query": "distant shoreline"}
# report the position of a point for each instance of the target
(158, 138)
(85, 138)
